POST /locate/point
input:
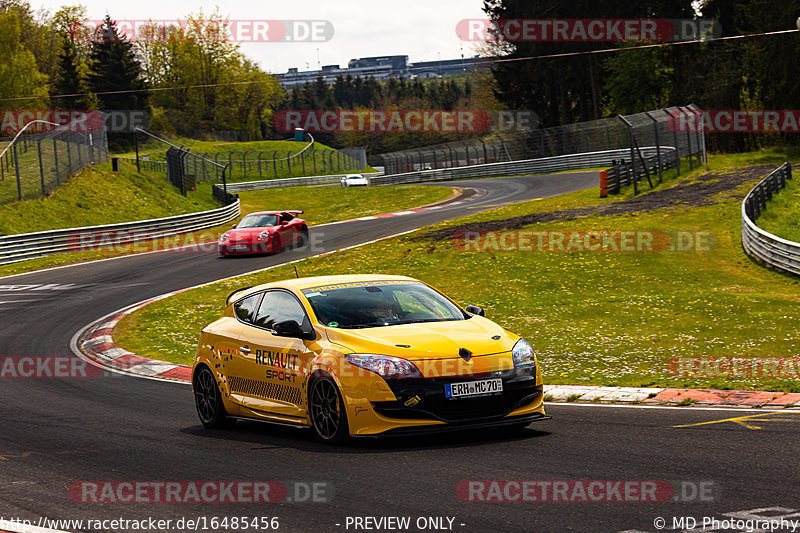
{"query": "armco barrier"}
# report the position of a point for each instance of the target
(28, 245)
(514, 168)
(291, 182)
(511, 168)
(766, 248)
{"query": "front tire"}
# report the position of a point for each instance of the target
(327, 413)
(208, 400)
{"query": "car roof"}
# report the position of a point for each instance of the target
(298, 284)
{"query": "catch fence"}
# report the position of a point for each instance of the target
(33, 165)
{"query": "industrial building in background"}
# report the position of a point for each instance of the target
(383, 68)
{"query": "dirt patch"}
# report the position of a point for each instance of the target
(699, 192)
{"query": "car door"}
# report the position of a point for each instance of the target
(234, 354)
(289, 228)
(274, 367)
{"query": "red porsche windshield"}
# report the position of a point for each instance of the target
(258, 221)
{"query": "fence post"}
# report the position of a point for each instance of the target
(289, 162)
(675, 140)
(16, 171)
(699, 135)
(633, 154)
(135, 144)
(41, 166)
(658, 144)
(55, 159)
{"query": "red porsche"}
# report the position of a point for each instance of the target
(264, 232)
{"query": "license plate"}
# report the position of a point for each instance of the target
(480, 387)
(240, 248)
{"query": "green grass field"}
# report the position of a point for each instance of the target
(603, 317)
(98, 196)
(782, 216)
(256, 160)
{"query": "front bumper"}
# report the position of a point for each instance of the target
(425, 398)
(410, 406)
(244, 248)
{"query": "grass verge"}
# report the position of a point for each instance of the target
(602, 318)
(98, 196)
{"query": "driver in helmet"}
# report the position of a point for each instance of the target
(380, 310)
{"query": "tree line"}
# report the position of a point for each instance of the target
(55, 61)
(756, 73)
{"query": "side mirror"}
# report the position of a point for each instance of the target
(290, 328)
(234, 226)
(475, 310)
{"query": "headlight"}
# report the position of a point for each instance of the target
(263, 236)
(385, 366)
(224, 237)
(523, 353)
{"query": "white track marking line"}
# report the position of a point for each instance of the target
(673, 407)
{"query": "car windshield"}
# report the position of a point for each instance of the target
(258, 221)
(379, 303)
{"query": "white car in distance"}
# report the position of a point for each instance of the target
(354, 180)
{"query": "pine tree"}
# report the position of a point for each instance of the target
(68, 80)
(115, 68)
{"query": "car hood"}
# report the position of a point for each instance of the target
(247, 233)
(427, 340)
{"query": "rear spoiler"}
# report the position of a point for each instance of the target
(299, 212)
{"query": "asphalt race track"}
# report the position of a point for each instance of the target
(56, 432)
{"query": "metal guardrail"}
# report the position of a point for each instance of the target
(766, 248)
(292, 182)
(512, 168)
(509, 168)
(29, 245)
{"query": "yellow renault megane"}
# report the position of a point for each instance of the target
(362, 356)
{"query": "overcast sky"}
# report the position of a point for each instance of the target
(422, 29)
